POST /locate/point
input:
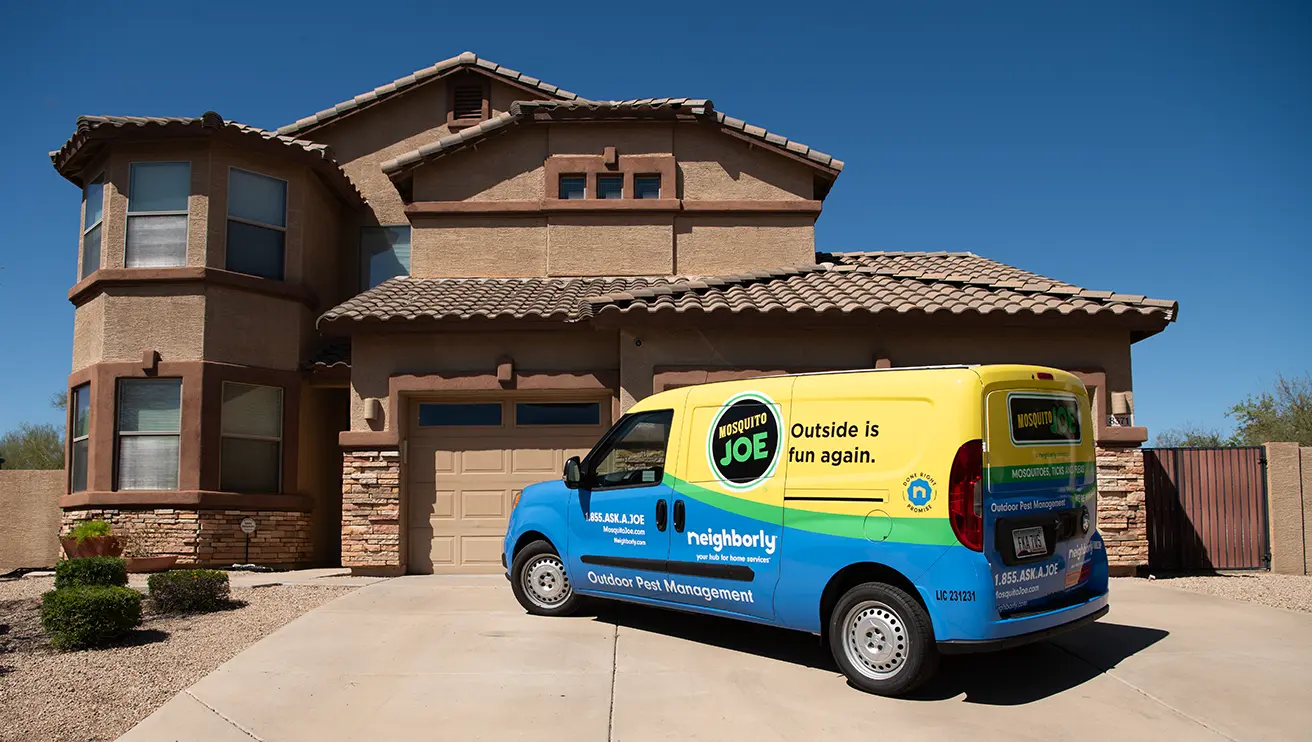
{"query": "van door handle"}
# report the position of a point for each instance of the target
(661, 510)
(678, 515)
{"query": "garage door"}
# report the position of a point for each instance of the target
(469, 457)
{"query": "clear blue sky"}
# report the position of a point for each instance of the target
(1159, 148)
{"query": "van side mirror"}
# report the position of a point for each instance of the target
(573, 473)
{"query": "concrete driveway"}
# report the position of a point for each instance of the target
(456, 658)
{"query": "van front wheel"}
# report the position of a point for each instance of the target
(882, 639)
(539, 582)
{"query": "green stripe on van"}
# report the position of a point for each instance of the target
(929, 531)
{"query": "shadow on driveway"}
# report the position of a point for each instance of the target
(1009, 678)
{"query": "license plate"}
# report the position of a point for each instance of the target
(1029, 542)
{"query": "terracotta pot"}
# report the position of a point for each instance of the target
(137, 565)
(92, 546)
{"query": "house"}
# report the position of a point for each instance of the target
(367, 330)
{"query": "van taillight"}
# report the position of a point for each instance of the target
(966, 495)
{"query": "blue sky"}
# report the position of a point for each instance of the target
(1155, 148)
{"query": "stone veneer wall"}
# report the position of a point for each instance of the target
(207, 537)
(1122, 518)
(371, 511)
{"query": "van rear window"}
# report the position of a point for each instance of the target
(1044, 419)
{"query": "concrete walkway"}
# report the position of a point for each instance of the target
(456, 658)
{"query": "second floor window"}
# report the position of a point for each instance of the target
(257, 224)
(646, 186)
(384, 254)
(157, 214)
(610, 186)
(149, 427)
(80, 404)
(573, 187)
(93, 213)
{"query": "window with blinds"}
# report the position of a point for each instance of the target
(467, 101)
(157, 214)
(250, 456)
(384, 254)
(610, 186)
(257, 224)
(93, 212)
(646, 186)
(573, 187)
(149, 424)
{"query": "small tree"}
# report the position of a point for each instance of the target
(31, 446)
(1190, 435)
(1283, 414)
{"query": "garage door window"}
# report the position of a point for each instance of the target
(633, 455)
(558, 413)
(460, 415)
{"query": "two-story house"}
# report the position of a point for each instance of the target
(368, 330)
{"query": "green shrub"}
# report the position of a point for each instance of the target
(88, 528)
(187, 590)
(89, 615)
(99, 570)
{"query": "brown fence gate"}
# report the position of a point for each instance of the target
(1206, 508)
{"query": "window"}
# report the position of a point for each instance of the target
(460, 414)
(250, 456)
(633, 454)
(467, 102)
(558, 413)
(610, 186)
(157, 214)
(646, 186)
(80, 404)
(573, 186)
(149, 423)
(93, 212)
(257, 224)
(384, 254)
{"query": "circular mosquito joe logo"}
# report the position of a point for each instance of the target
(919, 490)
(743, 444)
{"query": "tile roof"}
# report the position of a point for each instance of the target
(91, 128)
(527, 112)
(335, 353)
(845, 284)
(465, 60)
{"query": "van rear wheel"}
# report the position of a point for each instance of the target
(539, 582)
(882, 639)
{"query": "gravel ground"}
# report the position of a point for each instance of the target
(1280, 591)
(100, 694)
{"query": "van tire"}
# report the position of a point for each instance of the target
(540, 583)
(882, 639)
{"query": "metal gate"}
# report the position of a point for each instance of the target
(1206, 508)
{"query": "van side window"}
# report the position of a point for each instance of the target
(634, 455)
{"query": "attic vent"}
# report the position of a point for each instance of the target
(468, 103)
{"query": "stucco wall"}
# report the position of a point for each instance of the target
(479, 246)
(627, 139)
(29, 530)
(716, 166)
(117, 169)
(610, 245)
(88, 333)
(1289, 498)
(507, 168)
(709, 245)
(167, 318)
(254, 330)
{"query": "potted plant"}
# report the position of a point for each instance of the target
(91, 538)
(137, 553)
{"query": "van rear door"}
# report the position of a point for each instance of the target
(1040, 497)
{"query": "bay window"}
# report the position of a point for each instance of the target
(80, 435)
(157, 214)
(257, 224)
(250, 456)
(93, 213)
(149, 428)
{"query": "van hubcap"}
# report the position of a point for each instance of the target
(876, 640)
(545, 582)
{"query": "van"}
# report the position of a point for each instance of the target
(901, 514)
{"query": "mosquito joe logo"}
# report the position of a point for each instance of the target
(743, 443)
(1044, 418)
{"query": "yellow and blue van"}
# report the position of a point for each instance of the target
(900, 513)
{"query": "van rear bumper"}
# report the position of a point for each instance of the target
(967, 646)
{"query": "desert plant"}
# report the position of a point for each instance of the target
(96, 570)
(89, 615)
(89, 529)
(188, 590)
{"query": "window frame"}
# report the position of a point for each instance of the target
(118, 433)
(82, 245)
(365, 278)
(286, 198)
(515, 421)
(500, 405)
(185, 213)
(74, 438)
(647, 176)
(280, 439)
(561, 180)
(605, 445)
(609, 178)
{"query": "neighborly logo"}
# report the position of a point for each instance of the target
(919, 489)
(744, 442)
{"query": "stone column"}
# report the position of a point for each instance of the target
(371, 512)
(1122, 519)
